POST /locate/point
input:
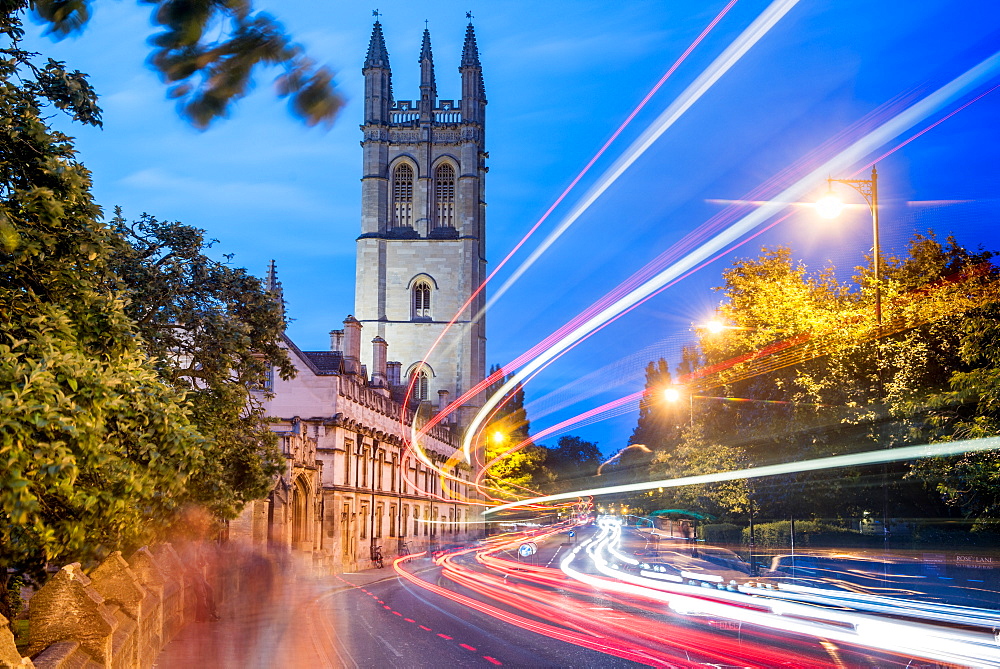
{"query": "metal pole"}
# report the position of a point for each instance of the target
(753, 567)
(875, 249)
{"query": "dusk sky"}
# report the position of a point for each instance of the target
(561, 77)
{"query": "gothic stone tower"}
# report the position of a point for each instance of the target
(422, 249)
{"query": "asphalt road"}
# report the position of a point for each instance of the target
(376, 619)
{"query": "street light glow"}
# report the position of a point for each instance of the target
(671, 394)
(715, 326)
(829, 206)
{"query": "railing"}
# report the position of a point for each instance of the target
(448, 116)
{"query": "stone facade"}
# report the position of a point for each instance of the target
(423, 223)
(353, 479)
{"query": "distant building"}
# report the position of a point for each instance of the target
(351, 482)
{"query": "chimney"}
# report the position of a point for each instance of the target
(443, 401)
(379, 349)
(337, 341)
(393, 370)
(352, 345)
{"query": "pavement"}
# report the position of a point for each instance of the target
(278, 620)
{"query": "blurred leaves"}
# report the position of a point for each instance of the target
(207, 52)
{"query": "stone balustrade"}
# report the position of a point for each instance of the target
(120, 615)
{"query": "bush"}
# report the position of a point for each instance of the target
(721, 533)
(807, 533)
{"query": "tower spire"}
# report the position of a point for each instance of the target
(470, 51)
(378, 79)
(273, 286)
(473, 89)
(377, 54)
(428, 89)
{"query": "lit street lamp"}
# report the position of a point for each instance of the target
(673, 394)
(830, 206)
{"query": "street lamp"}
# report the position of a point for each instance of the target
(674, 393)
(830, 206)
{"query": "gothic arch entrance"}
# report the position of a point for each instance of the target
(300, 513)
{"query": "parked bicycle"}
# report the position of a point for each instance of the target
(377, 557)
(404, 548)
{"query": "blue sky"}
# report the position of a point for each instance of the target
(560, 78)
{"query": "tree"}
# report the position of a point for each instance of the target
(572, 460)
(519, 472)
(207, 53)
(96, 451)
(840, 384)
(215, 334)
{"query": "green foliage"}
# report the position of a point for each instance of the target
(807, 533)
(95, 449)
(523, 470)
(840, 385)
(571, 461)
(721, 533)
(693, 456)
(215, 333)
(208, 51)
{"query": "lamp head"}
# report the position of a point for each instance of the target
(829, 206)
(671, 394)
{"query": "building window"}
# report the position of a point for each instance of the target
(392, 520)
(444, 195)
(348, 452)
(421, 300)
(364, 521)
(379, 512)
(420, 386)
(416, 520)
(402, 196)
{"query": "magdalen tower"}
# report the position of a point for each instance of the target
(421, 254)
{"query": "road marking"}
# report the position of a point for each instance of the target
(466, 646)
(428, 629)
(397, 613)
(493, 660)
(409, 620)
(445, 636)
(387, 607)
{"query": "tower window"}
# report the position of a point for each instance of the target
(402, 196)
(421, 300)
(420, 385)
(444, 195)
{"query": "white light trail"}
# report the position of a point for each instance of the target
(853, 154)
(747, 39)
(834, 462)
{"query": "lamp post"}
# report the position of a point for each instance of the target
(830, 206)
(674, 393)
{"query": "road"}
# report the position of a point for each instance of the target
(490, 608)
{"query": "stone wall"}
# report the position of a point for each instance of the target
(122, 613)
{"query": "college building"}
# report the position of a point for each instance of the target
(415, 344)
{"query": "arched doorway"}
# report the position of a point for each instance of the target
(300, 513)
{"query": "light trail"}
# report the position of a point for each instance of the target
(842, 162)
(762, 608)
(834, 462)
(720, 66)
(475, 293)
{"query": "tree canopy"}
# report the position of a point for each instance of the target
(800, 369)
(206, 52)
(127, 357)
(520, 472)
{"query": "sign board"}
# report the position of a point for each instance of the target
(527, 549)
(572, 533)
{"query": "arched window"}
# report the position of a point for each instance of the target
(402, 196)
(421, 300)
(444, 195)
(420, 385)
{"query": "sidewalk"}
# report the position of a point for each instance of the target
(283, 620)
